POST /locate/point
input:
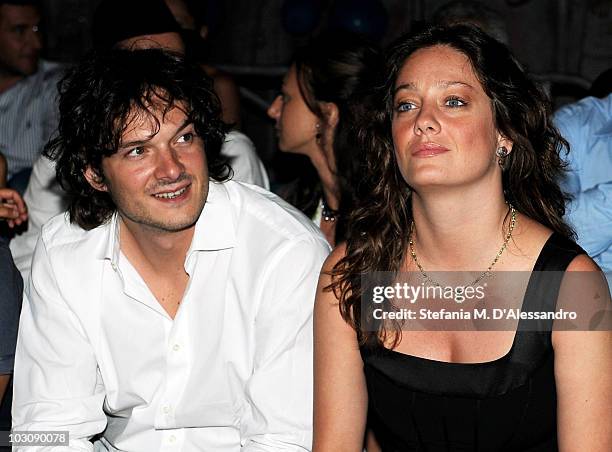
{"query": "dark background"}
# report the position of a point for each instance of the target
(564, 43)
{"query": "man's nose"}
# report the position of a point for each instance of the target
(169, 165)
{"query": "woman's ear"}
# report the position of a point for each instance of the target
(94, 179)
(331, 113)
(502, 141)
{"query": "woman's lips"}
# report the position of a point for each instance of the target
(428, 150)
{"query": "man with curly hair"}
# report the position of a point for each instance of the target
(170, 309)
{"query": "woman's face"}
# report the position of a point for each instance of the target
(443, 126)
(296, 125)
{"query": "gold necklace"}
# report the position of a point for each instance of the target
(484, 274)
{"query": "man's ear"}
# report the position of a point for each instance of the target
(331, 113)
(204, 32)
(94, 179)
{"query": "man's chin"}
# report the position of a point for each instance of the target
(28, 69)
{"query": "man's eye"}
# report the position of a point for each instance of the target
(455, 102)
(19, 29)
(186, 138)
(135, 152)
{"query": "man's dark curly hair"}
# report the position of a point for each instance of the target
(98, 101)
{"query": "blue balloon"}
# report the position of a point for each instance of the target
(300, 17)
(368, 17)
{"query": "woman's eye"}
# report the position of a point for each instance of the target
(405, 106)
(186, 138)
(455, 102)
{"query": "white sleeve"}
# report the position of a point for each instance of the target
(44, 199)
(278, 415)
(56, 380)
(243, 159)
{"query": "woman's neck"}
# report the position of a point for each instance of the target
(459, 231)
(327, 176)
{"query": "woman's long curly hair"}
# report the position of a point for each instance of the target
(378, 230)
(103, 95)
(337, 67)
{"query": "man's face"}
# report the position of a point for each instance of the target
(158, 180)
(20, 40)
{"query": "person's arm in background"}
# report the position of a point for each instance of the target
(12, 207)
(11, 289)
(44, 198)
(3, 170)
(242, 157)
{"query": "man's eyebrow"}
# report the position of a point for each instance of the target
(186, 123)
(136, 143)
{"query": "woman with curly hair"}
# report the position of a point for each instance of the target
(464, 161)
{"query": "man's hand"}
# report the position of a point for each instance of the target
(12, 207)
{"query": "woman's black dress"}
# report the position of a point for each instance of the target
(509, 404)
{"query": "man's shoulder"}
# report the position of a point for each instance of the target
(59, 235)
(259, 209)
(236, 144)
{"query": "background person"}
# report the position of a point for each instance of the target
(587, 127)
(465, 163)
(28, 90)
(323, 94)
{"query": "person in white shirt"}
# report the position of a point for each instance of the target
(45, 198)
(154, 28)
(169, 309)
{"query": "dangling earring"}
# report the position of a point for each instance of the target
(501, 154)
(318, 134)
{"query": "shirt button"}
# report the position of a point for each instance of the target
(176, 347)
(166, 409)
(172, 438)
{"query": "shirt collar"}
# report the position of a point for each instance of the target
(216, 227)
(111, 250)
(214, 230)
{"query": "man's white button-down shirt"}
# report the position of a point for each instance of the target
(232, 372)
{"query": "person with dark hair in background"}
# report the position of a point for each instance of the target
(154, 27)
(476, 13)
(189, 15)
(171, 308)
(323, 94)
(464, 161)
(28, 90)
